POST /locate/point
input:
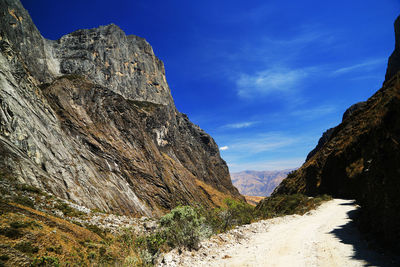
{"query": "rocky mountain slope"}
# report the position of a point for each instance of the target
(90, 118)
(258, 183)
(360, 158)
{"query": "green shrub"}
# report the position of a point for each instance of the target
(4, 257)
(131, 261)
(106, 257)
(91, 255)
(152, 243)
(29, 188)
(57, 250)
(19, 224)
(184, 227)
(235, 213)
(68, 210)
(26, 247)
(95, 229)
(25, 201)
(212, 219)
(45, 261)
(222, 219)
(11, 232)
(126, 237)
(280, 205)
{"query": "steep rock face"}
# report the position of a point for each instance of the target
(90, 118)
(394, 60)
(321, 142)
(125, 64)
(326, 136)
(361, 160)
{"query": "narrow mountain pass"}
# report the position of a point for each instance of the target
(323, 237)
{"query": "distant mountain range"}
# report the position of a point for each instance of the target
(258, 183)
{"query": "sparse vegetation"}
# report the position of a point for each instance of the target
(4, 257)
(10, 232)
(29, 188)
(184, 227)
(236, 213)
(45, 261)
(26, 247)
(68, 210)
(23, 200)
(69, 241)
(233, 213)
(281, 205)
(95, 229)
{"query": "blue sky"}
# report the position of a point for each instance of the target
(264, 78)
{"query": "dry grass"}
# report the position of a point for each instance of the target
(253, 200)
(38, 234)
(217, 197)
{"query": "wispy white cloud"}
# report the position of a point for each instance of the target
(366, 65)
(224, 148)
(240, 125)
(268, 165)
(313, 113)
(262, 143)
(270, 81)
(309, 34)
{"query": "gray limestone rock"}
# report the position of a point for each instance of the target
(90, 118)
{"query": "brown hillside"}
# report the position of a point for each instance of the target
(361, 159)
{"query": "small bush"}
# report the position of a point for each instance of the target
(146, 258)
(4, 257)
(29, 188)
(106, 257)
(68, 210)
(11, 232)
(26, 247)
(184, 227)
(95, 229)
(236, 213)
(91, 255)
(57, 250)
(152, 243)
(45, 261)
(131, 261)
(280, 205)
(19, 224)
(25, 201)
(126, 237)
(222, 219)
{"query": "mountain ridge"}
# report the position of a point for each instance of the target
(90, 118)
(258, 183)
(360, 159)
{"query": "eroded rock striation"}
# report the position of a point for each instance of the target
(361, 159)
(90, 118)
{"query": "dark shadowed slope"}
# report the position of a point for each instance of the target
(361, 159)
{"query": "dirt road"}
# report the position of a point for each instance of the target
(323, 237)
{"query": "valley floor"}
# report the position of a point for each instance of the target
(323, 237)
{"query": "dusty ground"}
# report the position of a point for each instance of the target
(323, 237)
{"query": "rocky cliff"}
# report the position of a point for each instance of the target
(90, 118)
(361, 159)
